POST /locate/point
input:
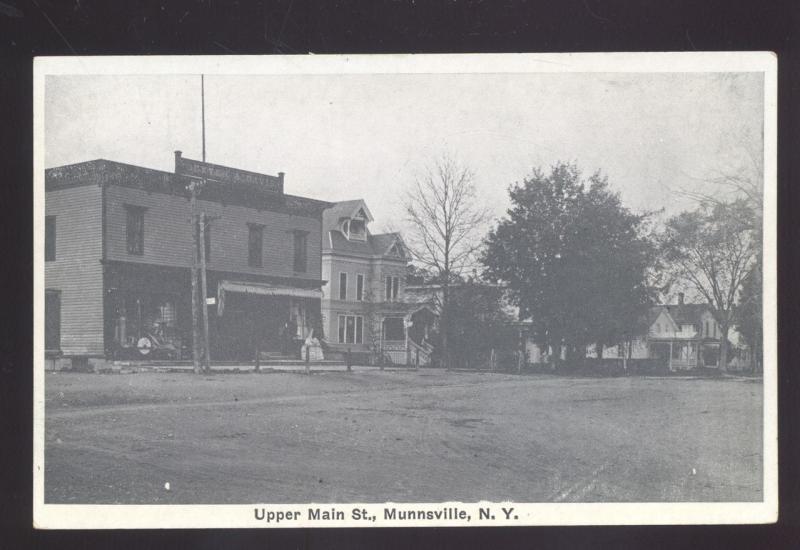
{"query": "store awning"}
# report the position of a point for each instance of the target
(265, 289)
(262, 289)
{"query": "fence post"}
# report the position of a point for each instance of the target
(348, 360)
(416, 360)
(308, 359)
(258, 358)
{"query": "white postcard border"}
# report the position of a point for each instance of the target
(61, 516)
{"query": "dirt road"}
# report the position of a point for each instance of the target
(399, 436)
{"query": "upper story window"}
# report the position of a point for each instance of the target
(355, 229)
(392, 288)
(343, 286)
(49, 238)
(359, 287)
(255, 245)
(135, 229)
(300, 251)
(658, 327)
(358, 229)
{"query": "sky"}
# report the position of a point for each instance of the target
(342, 137)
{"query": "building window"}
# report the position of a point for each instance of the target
(392, 287)
(359, 287)
(52, 320)
(351, 329)
(300, 251)
(358, 230)
(393, 328)
(255, 245)
(135, 230)
(708, 332)
(343, 286)
(658, 327)
(49, 238)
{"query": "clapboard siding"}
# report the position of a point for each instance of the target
(77, 271)
(168, 237)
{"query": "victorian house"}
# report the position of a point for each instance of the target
(364, 309)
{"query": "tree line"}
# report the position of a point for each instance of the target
(579, 264)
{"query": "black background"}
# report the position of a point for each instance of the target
(94, 27)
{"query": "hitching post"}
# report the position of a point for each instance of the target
(348, 360)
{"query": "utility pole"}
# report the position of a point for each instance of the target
(204, 290)
(199, 288)
(201, 244)
(195, 290)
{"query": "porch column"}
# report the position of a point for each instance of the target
(380, 341)
(670, 355)
(406, 321)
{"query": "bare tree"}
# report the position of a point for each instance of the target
(744, 185)
(744, 181)
(447, 229)
(712, 250)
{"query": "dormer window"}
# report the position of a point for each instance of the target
(358, 229)
(355, 229)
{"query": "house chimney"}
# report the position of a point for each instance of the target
(177, 159)
(680, 298)
(280, 180)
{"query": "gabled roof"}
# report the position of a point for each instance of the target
(334, 241)
(382, 243)
(688, 314)
(653, 313)
(344, 209)
(375, 245)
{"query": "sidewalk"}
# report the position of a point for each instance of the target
(128, 367)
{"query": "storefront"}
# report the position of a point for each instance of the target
(253, 317)
(149, 316)
(148, 312)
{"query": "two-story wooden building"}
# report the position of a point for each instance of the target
(681, 336)
(684, 336)
(119, 248)
(363, 306)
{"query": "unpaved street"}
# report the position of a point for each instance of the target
(376, 436)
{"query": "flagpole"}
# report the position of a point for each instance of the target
(203, 111)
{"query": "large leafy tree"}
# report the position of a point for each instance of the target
(576, 261)
(711, 250)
